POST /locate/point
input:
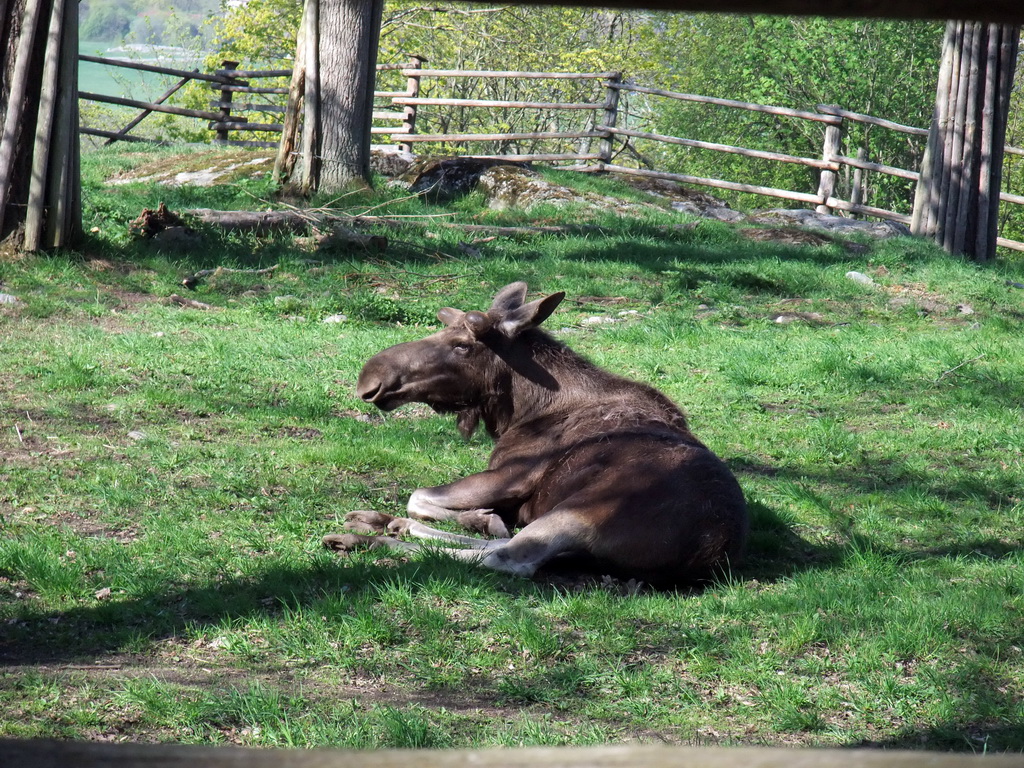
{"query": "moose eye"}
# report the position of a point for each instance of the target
(460, 349)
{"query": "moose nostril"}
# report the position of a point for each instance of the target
(369, 391)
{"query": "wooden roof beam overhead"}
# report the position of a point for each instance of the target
(998, 11)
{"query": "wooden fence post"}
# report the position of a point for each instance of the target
(36, 212)
(19, 86)
(611, 112)
(226, 95)
(858, 191)
(827, 180)
(957, 200)
(309, 147)
(412, 90)
(284, 162)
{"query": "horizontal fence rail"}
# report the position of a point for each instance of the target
(395, 118)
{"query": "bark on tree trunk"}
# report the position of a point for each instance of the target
(18, 106)
(957, 197)
(39, 169)
(348, 33)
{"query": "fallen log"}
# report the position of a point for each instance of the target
(331, 236)
(259, 222)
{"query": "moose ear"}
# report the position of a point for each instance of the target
(509, 298)
(529, 315)
(447, 315)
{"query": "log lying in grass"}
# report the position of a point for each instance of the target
(258, 222)
(295, 221)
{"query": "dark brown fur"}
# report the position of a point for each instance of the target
(585, 462)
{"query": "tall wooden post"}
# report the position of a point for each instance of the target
(957, 199)
(40, 193)
(827, 179)
(412, 90)
(611, 115)
(287, 150)
(226, 96)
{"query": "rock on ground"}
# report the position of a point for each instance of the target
(516, 185)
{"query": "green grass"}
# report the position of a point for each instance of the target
(166, 475)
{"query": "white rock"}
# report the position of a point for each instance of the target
(860, 277)
(335, 319)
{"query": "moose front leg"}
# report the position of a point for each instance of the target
(473, 501)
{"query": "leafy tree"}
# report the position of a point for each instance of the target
(261, 32)
(1011, 217)
(105, 20)
(886, 69)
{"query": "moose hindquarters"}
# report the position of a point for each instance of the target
(664, 513)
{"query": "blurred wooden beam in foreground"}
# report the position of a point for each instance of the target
(60, 754)
(1000, 11)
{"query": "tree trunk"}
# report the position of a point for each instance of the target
(957, 198)
(348, 34)
(22, 63)
(39, 156)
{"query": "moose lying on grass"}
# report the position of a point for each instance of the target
(586, 463)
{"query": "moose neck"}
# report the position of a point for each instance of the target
(535, 376)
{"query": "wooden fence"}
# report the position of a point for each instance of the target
(395, 117)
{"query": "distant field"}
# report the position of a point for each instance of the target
(118, 81)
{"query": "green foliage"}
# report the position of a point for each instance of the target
(886, 69)
(175, 22)
(883, 68)
(259, 33)
(1012, 216)
(105, 20)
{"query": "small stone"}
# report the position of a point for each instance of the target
(335, 319)
(137, 434)
(6, 298)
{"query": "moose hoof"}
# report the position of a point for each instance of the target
(484, 521)
(399, 526)
(347, 542)
(367, 521)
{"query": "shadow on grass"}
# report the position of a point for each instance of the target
(323, 583)
(698, 255)
(964, 735)
(130, 625)
(989, 715)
